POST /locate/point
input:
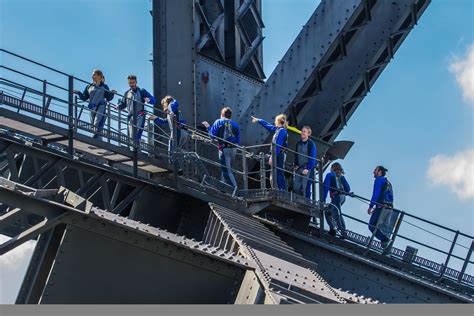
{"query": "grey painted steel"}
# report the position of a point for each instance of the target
(218, 85)
(174, 53)
(351, 271)
(317, 81)
(126, 247)
(280, 266)
(134, 275)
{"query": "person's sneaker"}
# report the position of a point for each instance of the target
(332, 232)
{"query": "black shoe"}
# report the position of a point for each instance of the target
(332, 232)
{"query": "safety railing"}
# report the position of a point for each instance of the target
(256, 177)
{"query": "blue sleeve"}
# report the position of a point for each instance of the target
(377, 190)
(214, 128)
(84, 96)
(147, 94)
(327, 185)
(312, 154)
(237, 136)
(109, 95)
(122, 104)
(267, 125)
(160, 121)
(347, 187)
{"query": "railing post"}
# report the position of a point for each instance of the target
(174, 147)
(245, 169)
(76, 119)
(263, 180)
(375, 229)
(466, 262)
(274, 166)
(43, 117)
(321, 193)
(149, 129)
(313, 185)
(443, 270)
(395, 233)
(71, 116)
(119, 126)
(108, 123)
(135, 144)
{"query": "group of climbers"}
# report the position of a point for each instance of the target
(227, 133)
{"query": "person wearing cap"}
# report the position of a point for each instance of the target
(381, 207)
(138, 96)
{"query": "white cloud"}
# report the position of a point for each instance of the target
(16, 257)
(463, 69)
(456, 172)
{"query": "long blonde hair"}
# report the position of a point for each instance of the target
(100, 74)
(166, 101)
(280, 121)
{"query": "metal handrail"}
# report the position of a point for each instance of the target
(247, 152)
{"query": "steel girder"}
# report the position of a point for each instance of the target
(230, 31)
(105, 188)
(383, 279)
(219, 50)
(332, 64)
(285, 273)
(94, 256)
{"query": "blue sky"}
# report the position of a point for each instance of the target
(417, 110)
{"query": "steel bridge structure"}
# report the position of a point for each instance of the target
(119, 221)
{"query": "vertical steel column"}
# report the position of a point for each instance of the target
(71, 116)
(321, 193)
(466, 262)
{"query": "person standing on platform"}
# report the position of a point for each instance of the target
(305, 162)
(138, 96)
(97, 94)
(227, 133)
(381, 207)
(336, 185)
(280, 140)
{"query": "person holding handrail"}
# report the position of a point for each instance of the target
(138, 96)
(336, 185)
(381, 206)
(227, 133)
(304, 164)
(173, 116)
(98, 94)
(280, 140)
